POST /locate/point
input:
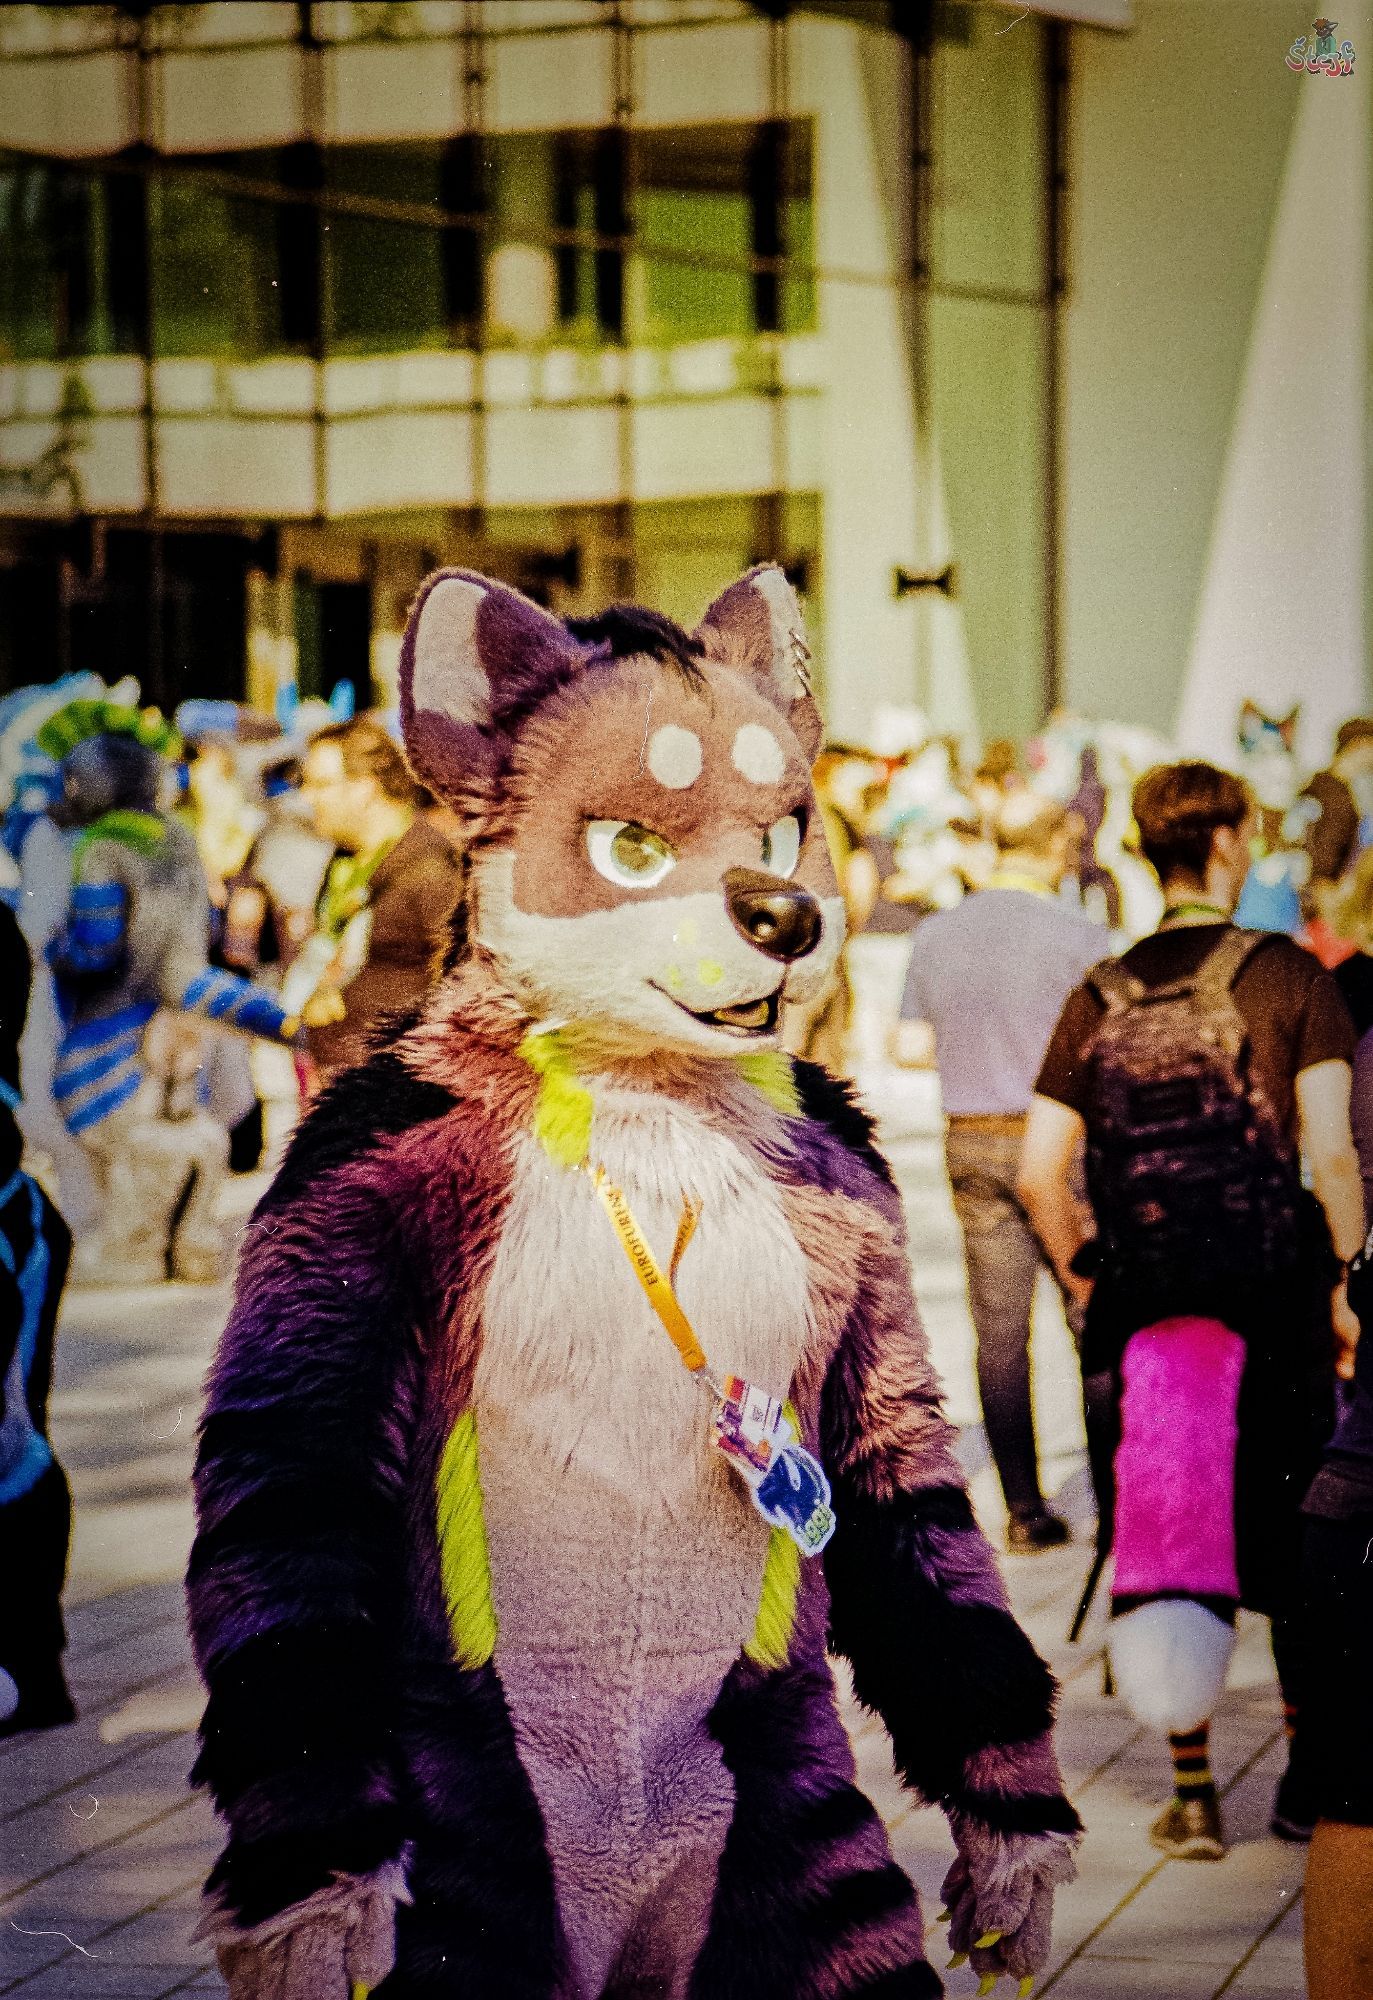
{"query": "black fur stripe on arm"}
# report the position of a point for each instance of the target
(296, 1576)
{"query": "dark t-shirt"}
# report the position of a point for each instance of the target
(1290, 1004)
(1296, 1019)
(1333, 833)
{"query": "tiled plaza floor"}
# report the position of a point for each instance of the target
(102, 1848)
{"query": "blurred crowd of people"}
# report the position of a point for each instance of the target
(915, 826)
(218, 909)
(209, 916)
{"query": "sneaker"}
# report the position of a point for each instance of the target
(1294, 1809)
(1028, 1534)
(1190, 1829)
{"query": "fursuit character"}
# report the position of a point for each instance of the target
(512, 1689)
(134, 941)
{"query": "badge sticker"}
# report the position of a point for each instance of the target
(787, 1485)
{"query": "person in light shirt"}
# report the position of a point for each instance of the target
(986, 984)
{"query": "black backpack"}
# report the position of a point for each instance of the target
(1193, 1180)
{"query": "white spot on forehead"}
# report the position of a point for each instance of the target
(675, 756)
(758, 754)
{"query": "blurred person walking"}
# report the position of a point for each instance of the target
(986, 983)
(381, 921)
(1352, 920)
(35, 1500)
(1337, 1606)
(1337, 1575)
(1334, 803)
(1197, 1069)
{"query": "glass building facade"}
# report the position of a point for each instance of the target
(616, 257)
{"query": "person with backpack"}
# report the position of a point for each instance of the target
(1198, 1071)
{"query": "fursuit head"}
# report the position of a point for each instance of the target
(513, 1690)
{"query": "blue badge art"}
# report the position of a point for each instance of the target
(795, 1496)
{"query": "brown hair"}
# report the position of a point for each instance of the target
(368, 752)
(1179, 808)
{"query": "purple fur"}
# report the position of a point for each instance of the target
(339, 1727)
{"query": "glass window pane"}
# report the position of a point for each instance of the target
(215, 262)
(536, 291)
(723, 194)
(54, 294)
(386, 277)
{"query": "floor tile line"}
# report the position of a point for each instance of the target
(1076, 1953)
(103, 1847)
(1279, 1917)
(1152, 1873)
(133, 1748)
(115, 1925)
(85, 1650)
(1100, 1770)
(105, 1704)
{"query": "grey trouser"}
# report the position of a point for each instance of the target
(1003, 1260)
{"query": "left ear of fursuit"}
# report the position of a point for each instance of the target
(474, 652)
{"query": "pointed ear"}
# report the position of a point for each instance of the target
(1250, 724)
(473, 651)
(756, 627)
(1287, 728)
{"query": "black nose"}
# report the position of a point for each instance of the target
(780, 919)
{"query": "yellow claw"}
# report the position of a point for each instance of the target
(360, 1992)
(959, 1958)
(1026, 1987)
(987, 1984)
(944, 1916)
(988, 1939)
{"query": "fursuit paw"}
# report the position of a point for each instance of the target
(1000, 1898)
(336, 1945)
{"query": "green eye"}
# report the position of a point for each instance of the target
(628, 855)
(782, 845)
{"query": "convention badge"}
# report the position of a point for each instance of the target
(795, 1496)
(786, 1484)
(749, 1427)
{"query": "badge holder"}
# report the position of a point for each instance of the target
(750, 1429)
(786, 1483)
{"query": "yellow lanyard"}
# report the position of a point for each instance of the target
(658, 1289)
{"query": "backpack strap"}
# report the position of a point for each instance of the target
(1223, 964)
(1116, 988)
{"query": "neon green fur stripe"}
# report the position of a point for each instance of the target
(771, 1073)
(563, 1109)
(770, 1645)
(463, 1555)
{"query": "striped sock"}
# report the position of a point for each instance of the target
(1192, 1763)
